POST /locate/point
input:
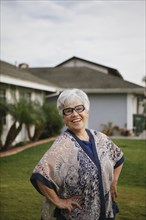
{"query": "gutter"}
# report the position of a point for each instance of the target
(27, 84)
(116, 90)
(52, 95)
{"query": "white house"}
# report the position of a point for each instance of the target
(112, 98)
(18, 82)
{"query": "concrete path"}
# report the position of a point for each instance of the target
(19, 149)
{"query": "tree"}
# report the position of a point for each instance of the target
(38, 119)
(3, 113)
(54, 121)
(44, 119)
(21, 114)
(144, 79)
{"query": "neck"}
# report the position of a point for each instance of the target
(82, 135)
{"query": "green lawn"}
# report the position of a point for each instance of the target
(19, 200)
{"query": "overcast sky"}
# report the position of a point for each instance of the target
(46, 33)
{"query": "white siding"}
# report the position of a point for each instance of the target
(131, 109)
(13, 94)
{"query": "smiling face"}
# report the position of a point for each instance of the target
(76, 122)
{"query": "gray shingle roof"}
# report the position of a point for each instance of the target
(71, 77)
(110, 70)
(10, 70)
(82, 77)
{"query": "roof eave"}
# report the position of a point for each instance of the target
(27, 84)
(115, 90)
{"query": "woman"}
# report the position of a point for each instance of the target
(78, 175)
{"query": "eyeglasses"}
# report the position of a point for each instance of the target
(69, 111)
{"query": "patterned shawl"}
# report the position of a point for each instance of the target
(70, 169)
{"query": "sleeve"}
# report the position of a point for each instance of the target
(37, 176)
(115, 153)
(118, 163)
(44, 171)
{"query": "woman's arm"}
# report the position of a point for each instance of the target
(117, 172)
(53, 197)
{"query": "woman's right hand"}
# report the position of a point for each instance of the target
(69, 203)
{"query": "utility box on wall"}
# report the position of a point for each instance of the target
(139, 123)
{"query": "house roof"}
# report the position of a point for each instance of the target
(59, 78)
(89, 80)
(22, 77)
(110, 70)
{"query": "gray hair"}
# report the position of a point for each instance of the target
(70, 95)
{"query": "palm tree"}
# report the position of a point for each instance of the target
(3, 113)
(30, 114)
(46, 120)
(38, 119)
(144, 79)
(21, 114)
(54, 120)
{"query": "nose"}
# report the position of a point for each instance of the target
(74, 113)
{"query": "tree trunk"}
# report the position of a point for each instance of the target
(1, 131)
(1, 144)
(12, 134)
(37, 133)
(28, 132)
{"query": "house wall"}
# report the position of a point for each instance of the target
(115, 108)
(131, 109)
(13, 93)
(107, 108)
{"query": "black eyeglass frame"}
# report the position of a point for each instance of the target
(72, 109)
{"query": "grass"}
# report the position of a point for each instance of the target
(19, 200)
(132, 182)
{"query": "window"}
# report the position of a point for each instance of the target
(2, 94)
(24, 94)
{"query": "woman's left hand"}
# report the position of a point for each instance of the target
(113, 190)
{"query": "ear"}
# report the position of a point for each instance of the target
(87, 114)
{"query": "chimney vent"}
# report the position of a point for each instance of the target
(23, 65)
